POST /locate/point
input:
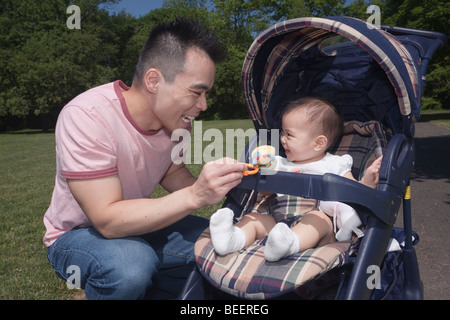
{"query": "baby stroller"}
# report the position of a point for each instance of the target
(375, 79)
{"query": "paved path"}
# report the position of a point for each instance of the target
(430, 189)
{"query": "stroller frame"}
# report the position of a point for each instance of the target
(378, 208)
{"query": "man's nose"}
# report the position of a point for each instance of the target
(202, 103)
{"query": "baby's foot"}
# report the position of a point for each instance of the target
(281, 242)
(225, 236)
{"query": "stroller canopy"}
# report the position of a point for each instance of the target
(271, 70)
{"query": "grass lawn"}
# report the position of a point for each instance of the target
(27, 173)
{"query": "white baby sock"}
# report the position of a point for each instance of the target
(225, 236)
(281, 242)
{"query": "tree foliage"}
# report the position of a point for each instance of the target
(431, 15)
(44, 64)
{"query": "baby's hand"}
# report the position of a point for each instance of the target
(372, 173)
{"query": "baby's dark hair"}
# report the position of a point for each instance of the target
(167, 44)
(322, 114)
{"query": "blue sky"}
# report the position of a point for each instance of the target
(136, 8)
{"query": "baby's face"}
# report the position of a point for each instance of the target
(298, 138)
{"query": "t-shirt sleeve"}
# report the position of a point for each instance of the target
(85, 148)
(345, 164)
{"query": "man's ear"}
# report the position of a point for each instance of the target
(320, 142)
(152, 79)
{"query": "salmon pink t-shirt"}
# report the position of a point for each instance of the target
(96, 137)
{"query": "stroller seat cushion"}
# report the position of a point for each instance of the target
(246, 274)
(283, 207)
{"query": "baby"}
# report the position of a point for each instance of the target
(309, 127)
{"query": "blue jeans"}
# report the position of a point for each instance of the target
(153, 266)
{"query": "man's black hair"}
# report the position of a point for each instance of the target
(167, 44)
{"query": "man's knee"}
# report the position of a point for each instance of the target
(126, 274)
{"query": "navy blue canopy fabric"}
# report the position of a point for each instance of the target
(373, 76)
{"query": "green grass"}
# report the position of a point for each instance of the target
(439, 117)
(27, 173)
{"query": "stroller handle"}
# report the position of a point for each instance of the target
(416, 32)
(409, 31)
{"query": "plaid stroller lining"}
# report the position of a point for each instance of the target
(365, 142)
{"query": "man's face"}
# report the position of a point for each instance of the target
(180, 102)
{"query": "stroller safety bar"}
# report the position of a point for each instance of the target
(329, 187)
(383, 202)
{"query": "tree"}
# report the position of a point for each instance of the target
(45, 64)
(430, 15)
(236, 22)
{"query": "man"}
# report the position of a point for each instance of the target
(113, 147)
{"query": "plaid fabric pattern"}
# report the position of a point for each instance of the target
(410, 67)
(246, 274)
(364, 141)
(288, 49)
(288, 207)
(283, 208)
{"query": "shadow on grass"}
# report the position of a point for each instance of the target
(435, 115)
(28, 131)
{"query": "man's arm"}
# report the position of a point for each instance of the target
(177, 177)
(101, 200)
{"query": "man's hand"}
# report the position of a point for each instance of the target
(216, 179)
